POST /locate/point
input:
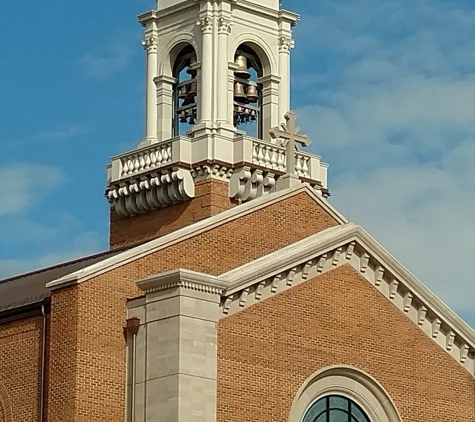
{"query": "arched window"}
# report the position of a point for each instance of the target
(247, 91)
(335, 409)
(185, 91)
(342, 394)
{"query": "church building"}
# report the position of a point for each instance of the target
(232, 291)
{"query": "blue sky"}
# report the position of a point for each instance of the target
(384, 88)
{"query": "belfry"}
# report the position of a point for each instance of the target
(232, 291)
(217, 90)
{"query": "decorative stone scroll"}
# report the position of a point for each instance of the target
(286, 44)
(150, 44)
(247, 183)
(151, 192)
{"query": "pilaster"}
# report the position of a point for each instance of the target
(176, 360)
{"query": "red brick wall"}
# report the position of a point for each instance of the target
(211, 197)
(20, 367)
(88, 369)
(266, 353)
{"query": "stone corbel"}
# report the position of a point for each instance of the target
(153, 191)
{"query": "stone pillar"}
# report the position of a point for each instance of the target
(206, 92)
(164, 95)
(285, 44)
(176, 359)
(223, 70)
(150, 44)
(270, 104)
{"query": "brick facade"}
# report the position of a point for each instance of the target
(266, 353)
(87, 343)
(20, 369)
(211, 197)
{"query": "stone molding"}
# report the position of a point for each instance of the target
(351, 383)
(351, 245)
(182, 278)
(151, 191)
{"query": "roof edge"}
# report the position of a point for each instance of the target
(192, 230)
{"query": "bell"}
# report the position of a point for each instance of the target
(183, 92)
(242, 70)
(183, 117)
(191, 71)
(193, 88)
(239, 93)
(188, 100)
(191, 116)
(252, 95)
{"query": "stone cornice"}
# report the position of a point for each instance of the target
(182, 278)
(351, 245)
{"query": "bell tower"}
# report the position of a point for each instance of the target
(217, 97)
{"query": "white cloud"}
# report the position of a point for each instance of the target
(387, 96)
(24, 184)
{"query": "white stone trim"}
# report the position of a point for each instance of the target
(187, 232)
(182, 278)
(350, 244)
(151, 191)
(352, 383)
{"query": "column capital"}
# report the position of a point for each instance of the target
(206, 24)
(224, 25)
(150, 44)
(286, 44)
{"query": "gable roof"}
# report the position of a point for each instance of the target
(177, 236)
(350, 244)
(30, 288)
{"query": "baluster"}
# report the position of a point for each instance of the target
(125, 168)
(148, 161)
(153, 158)
(280, 160)
(159, 156)
(298, 165)
(305, 166)
(164, 155)
(130, 165)
(267, 162)
(141, 162)
(260, 156)
(136, 164)
(255, 149)
(169, 152)
(273, 158)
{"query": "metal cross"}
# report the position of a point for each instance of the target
(288, 132)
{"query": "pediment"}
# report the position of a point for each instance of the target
(350, 245)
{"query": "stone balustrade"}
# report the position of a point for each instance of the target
(245, 151)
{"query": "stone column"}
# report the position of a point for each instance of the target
(164, 99)
(285, 44)
(224, 29)
(150, 44)
(270, 104)
(176, 360)
(206, 93)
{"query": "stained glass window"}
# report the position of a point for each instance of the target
(335, 409)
